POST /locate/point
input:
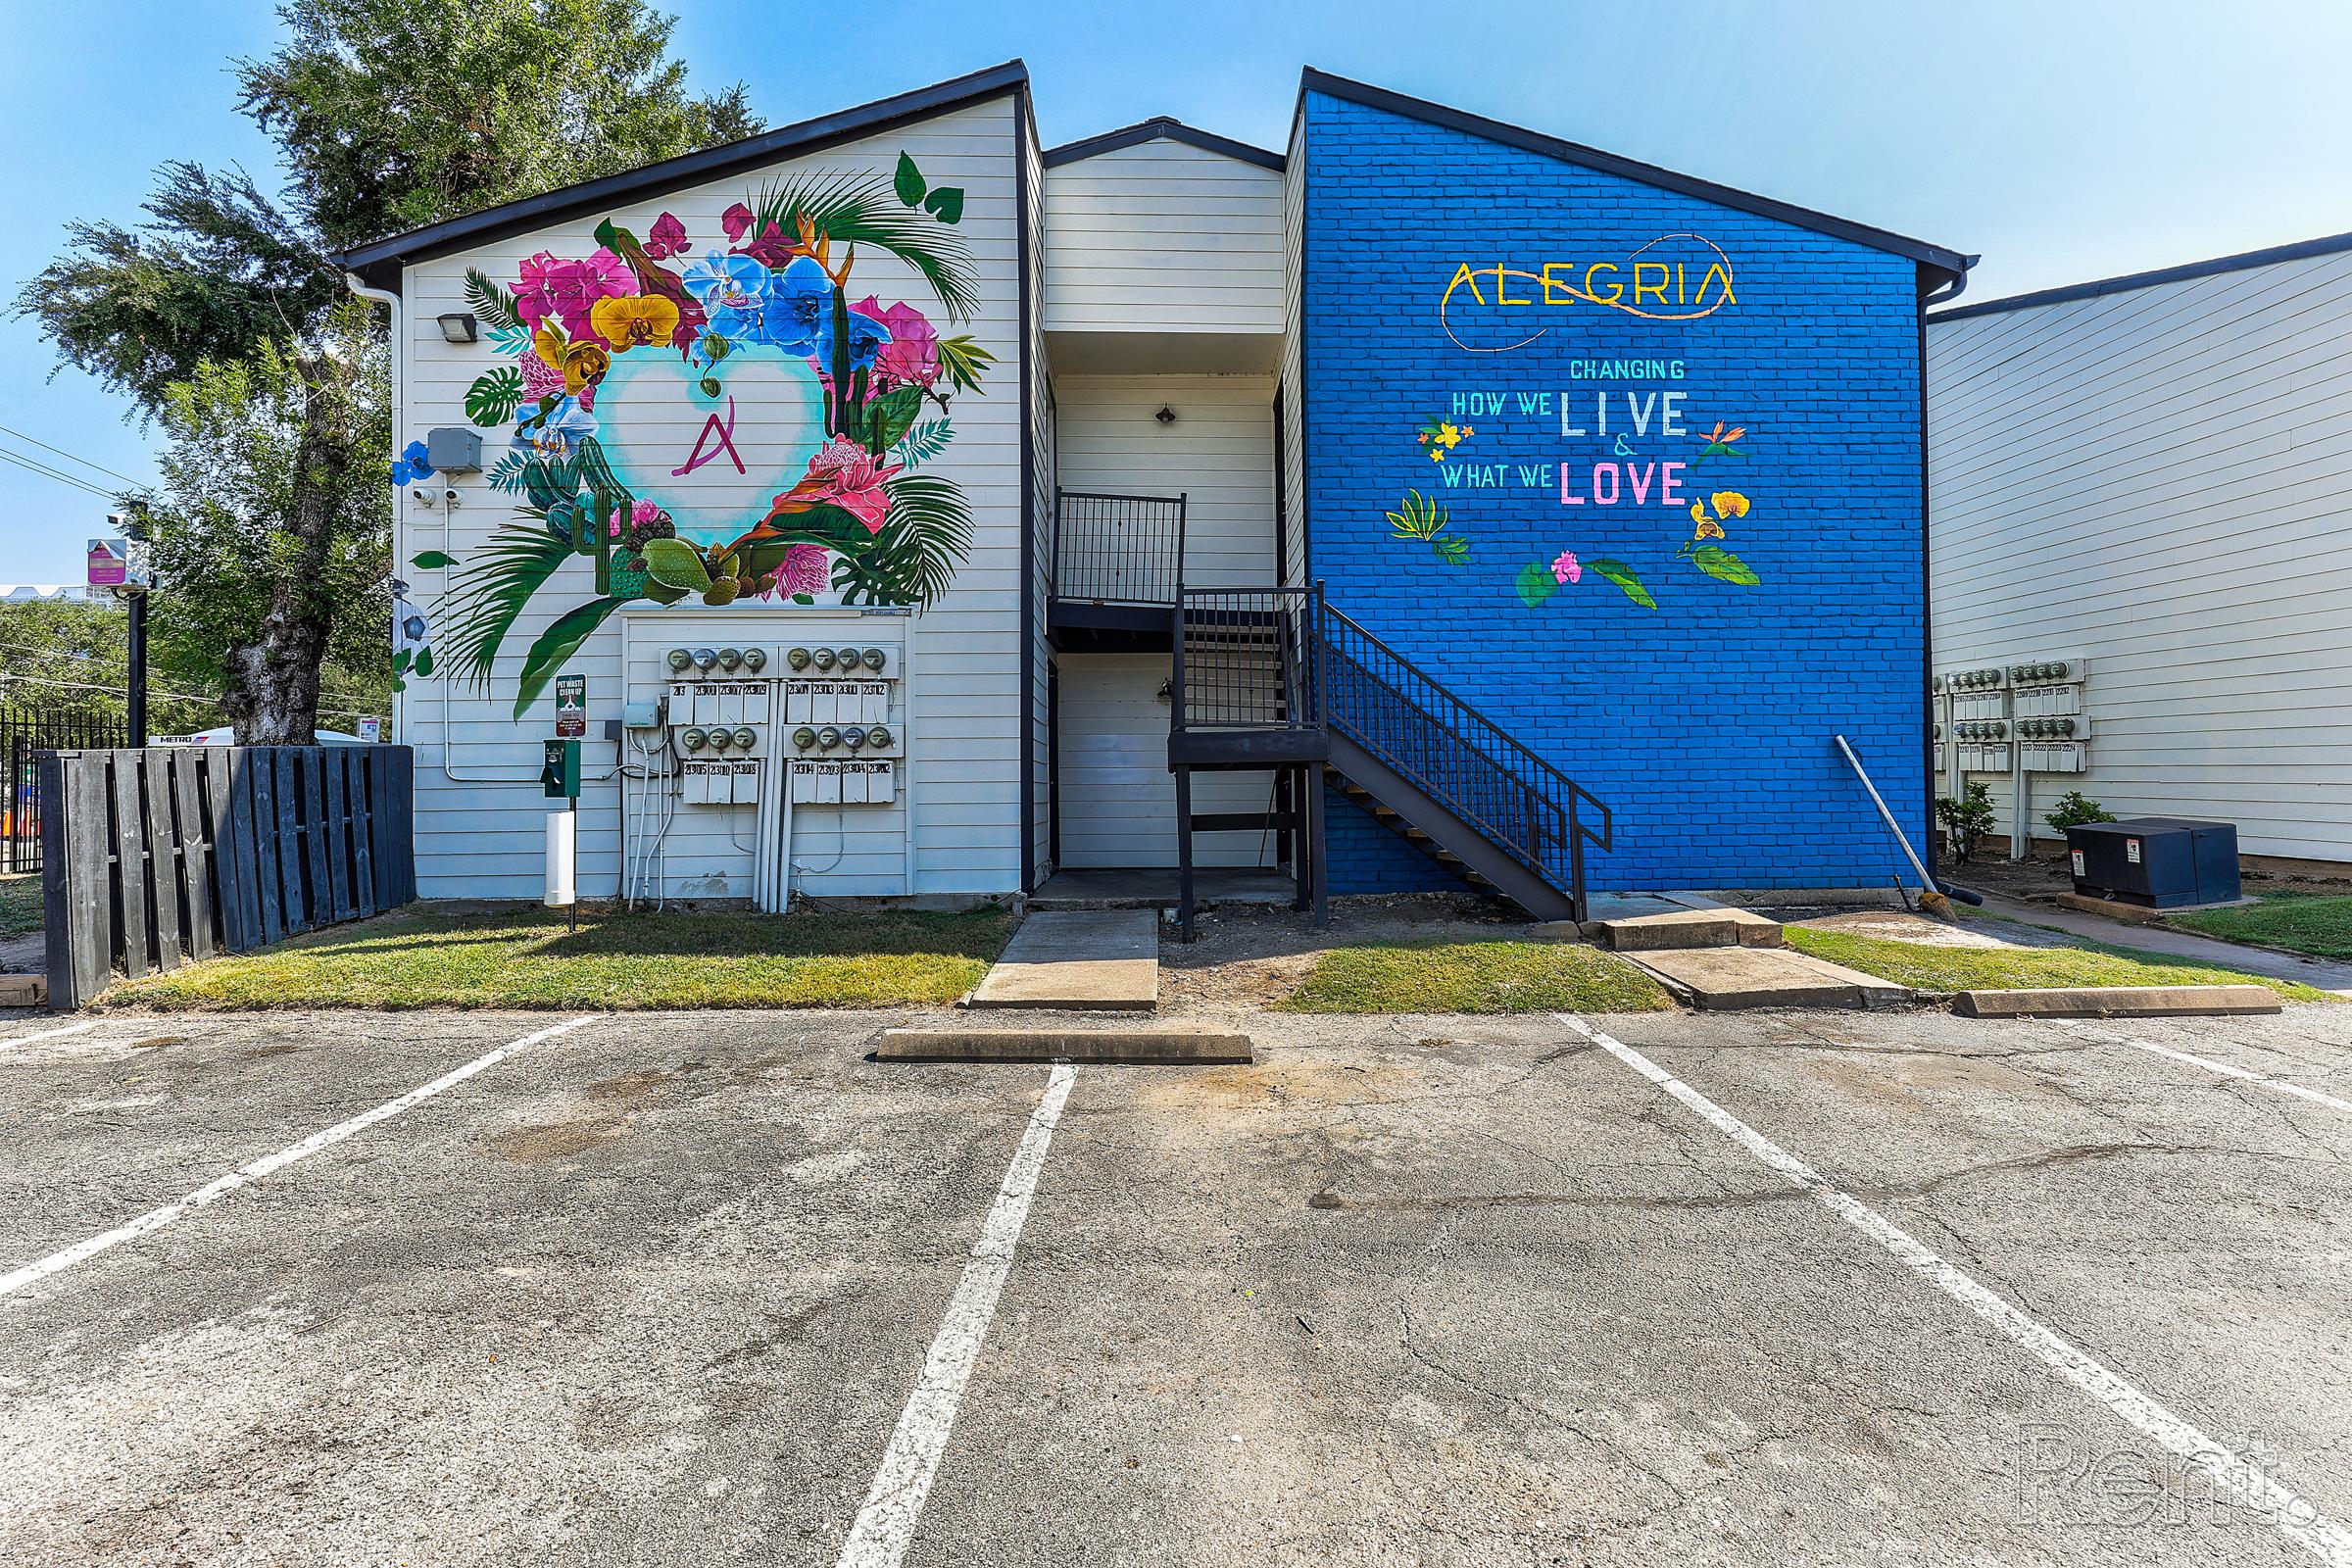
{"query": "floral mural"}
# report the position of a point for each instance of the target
(757, 339)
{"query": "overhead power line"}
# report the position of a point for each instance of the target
(59, 475)
(63, 452)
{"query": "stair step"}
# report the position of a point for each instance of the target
(1689, 928)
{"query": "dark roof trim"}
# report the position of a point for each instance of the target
(1162, 129)
(1948, 265)
(2243, 259)
(379, 263)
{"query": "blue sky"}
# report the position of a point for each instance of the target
(2062, 141)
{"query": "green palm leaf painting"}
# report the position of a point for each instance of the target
(863, 210)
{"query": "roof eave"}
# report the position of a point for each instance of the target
(2186, 271)
(1948, 264)
(1163, 128)
(379, 263)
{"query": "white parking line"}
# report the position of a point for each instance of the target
(2292, 1514)
(894, 1504)
(158, 1218)
(2227, 1071)
(49, 1034)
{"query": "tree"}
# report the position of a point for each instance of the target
(70, 656)
(223, 314)
(291, 434)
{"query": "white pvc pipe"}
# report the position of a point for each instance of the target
(562, 842)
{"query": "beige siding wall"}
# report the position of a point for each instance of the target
(1218, 452)
(1118, 799)
(2159, 481)
(956, 827)
(1114, 261)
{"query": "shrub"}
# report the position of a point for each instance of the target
(1966, 818)
(2074, 808)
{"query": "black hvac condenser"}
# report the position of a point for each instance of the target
(2161, 861)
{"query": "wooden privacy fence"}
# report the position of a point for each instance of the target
(157, 857)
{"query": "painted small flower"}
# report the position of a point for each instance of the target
(666, 238)
(582, 364)
(799, 307)
(801, 572)
(774, 248)
(737, 221)
(1564, 569)
(634, 320)
(867, 338)
(1708, 528)
(552, 432)
(844, 474)
(733, 289)
(566, 291)
(411, 465)
(1728, 503)
(912, 355)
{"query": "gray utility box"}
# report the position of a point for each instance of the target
(2160, 862)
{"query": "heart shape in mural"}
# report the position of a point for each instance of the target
(654, 419)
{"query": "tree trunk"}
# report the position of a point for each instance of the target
(272, 697)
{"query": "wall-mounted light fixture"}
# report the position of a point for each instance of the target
(458, 327)
(1165, 416)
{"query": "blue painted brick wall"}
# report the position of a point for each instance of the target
(1705, 723)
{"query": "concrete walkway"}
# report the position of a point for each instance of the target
(1095, 960)
(2320, 972)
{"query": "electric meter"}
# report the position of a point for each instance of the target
(755, 659)
(847, 658)
(678, 659)
(804, 737)
(693, 737)
(852, 738)
(872, 658)
(822, 657)
(827, 738)
(729, 657)
(879, 735)
(796, 658)
(745, 738)
(704, 657)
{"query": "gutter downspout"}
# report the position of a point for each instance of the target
(1943, 293)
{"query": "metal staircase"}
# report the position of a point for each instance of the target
(1276, 677)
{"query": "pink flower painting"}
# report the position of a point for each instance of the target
(568, 290)
(1565, 568)
(912, 355)
(666, 238)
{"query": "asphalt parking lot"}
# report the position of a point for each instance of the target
(712, 1288)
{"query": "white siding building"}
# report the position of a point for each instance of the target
(2150, 478)
(887, 505)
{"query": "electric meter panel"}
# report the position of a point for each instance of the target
(818, 713)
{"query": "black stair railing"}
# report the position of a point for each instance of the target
(1241, 658)
(1117, 549)
(1374, 696)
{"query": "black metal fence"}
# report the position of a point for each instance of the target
(162, 854)
(23, 735)
(1113, 549)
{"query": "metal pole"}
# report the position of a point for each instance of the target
(1926, 881)
(138, 682)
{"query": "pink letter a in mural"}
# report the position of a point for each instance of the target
(725, 443)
